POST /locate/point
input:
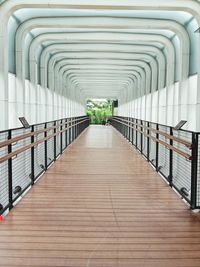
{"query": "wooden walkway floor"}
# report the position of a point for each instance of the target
(100, 204)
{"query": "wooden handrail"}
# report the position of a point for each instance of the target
(35, 133)
(178, 151)
(174, 138)
(22, 149)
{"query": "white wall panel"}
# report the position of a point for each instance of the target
(35, 103)
(169, 105)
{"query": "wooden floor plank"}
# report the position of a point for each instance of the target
(100, 204)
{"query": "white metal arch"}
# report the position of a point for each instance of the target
(33, 60)
(125, 23)
(189, 6)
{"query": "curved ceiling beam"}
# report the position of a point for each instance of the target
(188, 6)
(117, 63)
(119, 72)
(170, 79)
(98, 86)
(95, 48)
(67, 70)
(129, 57)
(149, 59)
(33, 60)
(19, 37)
(135, 71)
(10, 6)
(133, 79)
(119, 23)
(123, 57)
(56, 63)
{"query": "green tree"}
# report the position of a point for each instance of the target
(99, 111)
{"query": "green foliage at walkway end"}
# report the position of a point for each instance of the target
(99, 110)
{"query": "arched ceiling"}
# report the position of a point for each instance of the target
(120, 50)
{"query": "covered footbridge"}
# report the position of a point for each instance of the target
(124, 194)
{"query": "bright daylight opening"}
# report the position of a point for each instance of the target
(99, 110)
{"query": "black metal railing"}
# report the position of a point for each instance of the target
(26, 153)
(173, 153)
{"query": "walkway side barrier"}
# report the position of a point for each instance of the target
(173, 153)
(26, 153)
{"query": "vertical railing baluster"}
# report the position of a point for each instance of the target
(61, 137)
(129, 130)
(132, 130)
(141, 136)
(76, 128)
(123, 129)
(194, 170)
(45, 147)
(170, 177)
(73, 129)
(32, 157)
(10, 181)
(70, 130)
(126, 128)
(148, 143)
(157, 147)
(74, 122)
(55, 131)
(66, 132)
(136, 132)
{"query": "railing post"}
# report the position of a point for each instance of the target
(170, 178)
(10, 189)
(124, 130)
(141, 136)
(61, 136)
(32, 157)
(45, 146)
(70, 131)
(78, 125)
(66, 125)
(76, 128)
(55, 130)
(157, 147)
(148, 143)
(194, 169)
(127, 135)
(127, 132)
(136, 132)
(132, 135)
